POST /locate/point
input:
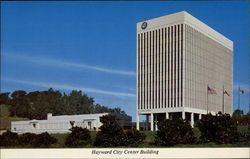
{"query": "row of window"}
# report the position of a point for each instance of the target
(168, 40)
(211, 67)
(160, 66)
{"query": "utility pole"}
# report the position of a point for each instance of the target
(239, 98)
(207, 99)
(223, 100)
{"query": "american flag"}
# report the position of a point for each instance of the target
(211, 91)
(241, 91)
(225, 92)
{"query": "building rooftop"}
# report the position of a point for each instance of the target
(186, 18)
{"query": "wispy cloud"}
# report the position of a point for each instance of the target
(69, 87)
(61, 63)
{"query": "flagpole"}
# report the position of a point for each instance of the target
(207, 99)
(223, 107)
(239, 98)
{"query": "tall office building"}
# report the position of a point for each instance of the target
(184, 69)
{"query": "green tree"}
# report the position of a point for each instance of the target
(4, 98)
(100, 109)
(111, 133)
(219, 128)
(238, 115)
(36, 104)
(77, 103)
(240, 118)
(117, 110)
(246, 119)
(134, 137)
(172, 132)
(43, 140)
(18, 103)
(103, 109)
(78, 137)
(41, 103)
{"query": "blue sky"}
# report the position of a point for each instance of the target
(90, 46)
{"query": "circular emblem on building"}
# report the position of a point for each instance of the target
(144, 25)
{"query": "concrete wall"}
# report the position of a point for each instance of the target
(61, 124)
(57, 124)
(207, 63)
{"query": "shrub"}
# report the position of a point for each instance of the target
(111, 133)
(172, 132)
(26, 139)
(134, 137)
(43, 140)
(78, 137)
(8, 139)
(221, 129)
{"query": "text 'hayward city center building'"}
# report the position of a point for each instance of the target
(184, 69)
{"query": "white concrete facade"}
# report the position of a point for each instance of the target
(57, 124)
(178, 57)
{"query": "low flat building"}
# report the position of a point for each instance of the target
(62, 123)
